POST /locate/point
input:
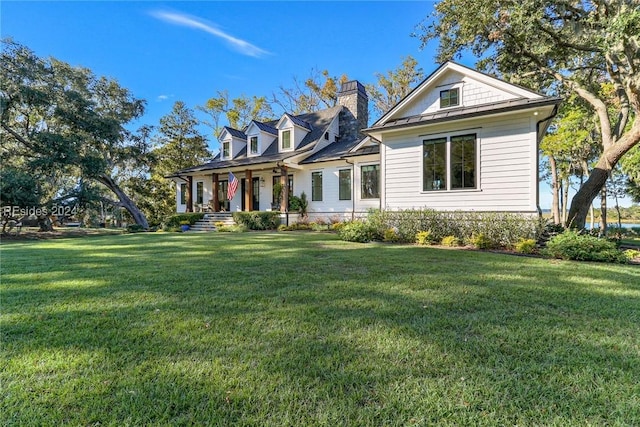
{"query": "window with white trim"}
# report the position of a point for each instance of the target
(316, 186)
(286, 139)
(183, 194)
(344, 184)
(199, 192)
(253, 145)
(450, 163)
(225, 149)
(450, 97)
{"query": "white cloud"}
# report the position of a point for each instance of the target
(239, 45)
(162, 97)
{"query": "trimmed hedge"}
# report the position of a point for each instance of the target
(173, 222)
(258, 220)
(488, 229)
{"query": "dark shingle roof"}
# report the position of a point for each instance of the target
(235, 132)
(266, 128)
(297, 120)
(318, 121)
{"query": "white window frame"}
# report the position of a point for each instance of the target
(222, 150)
(457, 86)
(291, 143)
(257, 145)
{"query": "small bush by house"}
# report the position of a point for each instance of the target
(572, 245)
(258, 220)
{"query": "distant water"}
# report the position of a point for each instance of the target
(614, 225)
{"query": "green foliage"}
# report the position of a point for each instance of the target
(481, 241)
(357, 231)
(238, 111)
(395, 85)
(237, 228)
(298, 226)
(450, 241)
(423, 238)
(258, 220)
(390, 235)
(526, 246)
(498, 230)
(18, 188)
(66, 123)
(336, 226)
(174, 222)
(571, 245)
(299, 204)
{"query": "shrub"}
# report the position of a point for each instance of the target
(526, 246)
(631, 254)
(481, 241)
(134, 228)
(423, 238)
(232, 229)
(258, 220)
(219, 224)
(583, 247)
(450, 241)
(173, 222)
(390, 235)
(357, 231)
(295, 227)
(337, 226)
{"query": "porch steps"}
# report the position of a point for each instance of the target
(208, 223)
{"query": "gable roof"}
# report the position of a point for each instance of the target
(318, 121)
(448, 67)
(235, 132)
(264, 127)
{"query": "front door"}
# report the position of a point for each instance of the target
(256, 194)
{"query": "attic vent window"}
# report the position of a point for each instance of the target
(449, 98)
(326, 136)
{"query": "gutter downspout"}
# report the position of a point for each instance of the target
(553, 114)
(353, 191)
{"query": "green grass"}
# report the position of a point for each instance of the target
(303, 329)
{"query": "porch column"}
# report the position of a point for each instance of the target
(248, 190)
(216, 199)
(189, 195)
(284, 180)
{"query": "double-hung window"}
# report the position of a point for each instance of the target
(286, 139)
(225, 149)
(253, 145)
(450, 163)
(199, 192)
(183, 194)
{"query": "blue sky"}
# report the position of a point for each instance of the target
(169, 51)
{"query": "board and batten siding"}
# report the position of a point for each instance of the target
(507, 173)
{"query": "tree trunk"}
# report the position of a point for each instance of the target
(126, 202)
(555, 191)
(565, 200)
(603, 211)
(598, 177)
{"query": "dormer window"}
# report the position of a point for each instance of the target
(253, 145)
(286, 139)
(449, 98)
(225, 149)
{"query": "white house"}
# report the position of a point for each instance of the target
(461, 140)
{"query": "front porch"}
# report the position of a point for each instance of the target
(265, 189)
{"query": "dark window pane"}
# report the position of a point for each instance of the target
(463, 161)
(344, 178)
(316, 186)
(435, 164)
(370, 176)
(183, 194)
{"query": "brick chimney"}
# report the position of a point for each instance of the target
(355, 116)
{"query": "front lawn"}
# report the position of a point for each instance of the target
(303, 329)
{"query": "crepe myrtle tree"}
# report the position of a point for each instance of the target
(548, 44)
(59, 118)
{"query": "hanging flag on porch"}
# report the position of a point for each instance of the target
(233, 186)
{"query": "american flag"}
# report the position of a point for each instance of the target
(233, 186)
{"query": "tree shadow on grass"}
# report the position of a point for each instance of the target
(326, 333)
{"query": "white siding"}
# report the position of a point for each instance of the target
(472, 92)
(507, 159)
